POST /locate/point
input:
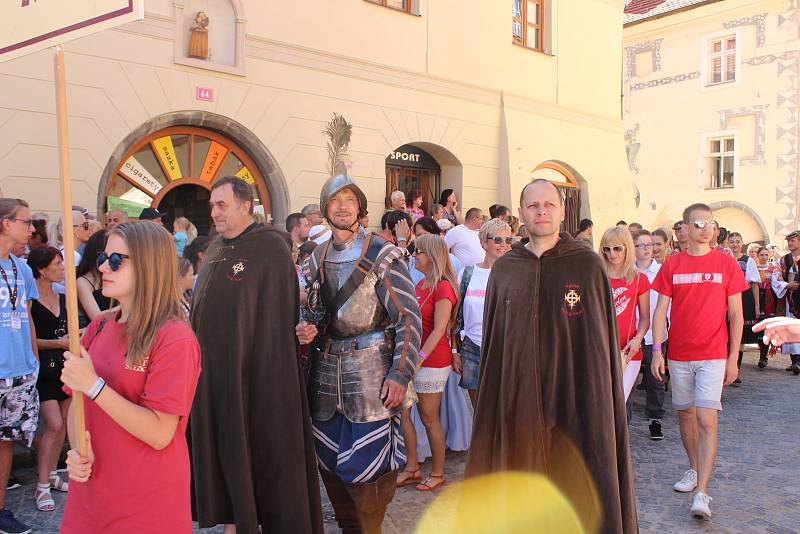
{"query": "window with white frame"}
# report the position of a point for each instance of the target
(721, 60)
(720, 162)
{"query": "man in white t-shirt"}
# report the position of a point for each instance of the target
(463, 240)
(656, 390)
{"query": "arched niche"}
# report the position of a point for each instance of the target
(226, 34)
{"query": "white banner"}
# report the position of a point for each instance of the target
(27, 26)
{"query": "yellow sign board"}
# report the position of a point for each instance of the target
(166, 154)
(214, 158)
(31, 25)
(245, 174)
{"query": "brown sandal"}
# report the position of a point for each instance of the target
(429, 485)
(406, 478)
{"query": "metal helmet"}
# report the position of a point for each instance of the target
(336, 184)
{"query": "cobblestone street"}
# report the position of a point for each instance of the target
(754, 487)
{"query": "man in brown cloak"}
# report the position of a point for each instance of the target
(253, 460)
(550, 394)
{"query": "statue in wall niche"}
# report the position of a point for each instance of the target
(198, 40)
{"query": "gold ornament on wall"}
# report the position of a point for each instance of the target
(198, 40)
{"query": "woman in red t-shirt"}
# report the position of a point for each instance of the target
(438, 299)
(138, 368)
(630, 289)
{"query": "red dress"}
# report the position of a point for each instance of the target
(134, 487)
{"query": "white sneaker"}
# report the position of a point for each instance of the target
(700, 508)
(687, 483)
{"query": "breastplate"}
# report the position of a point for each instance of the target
(363, 311)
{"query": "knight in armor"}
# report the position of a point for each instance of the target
(364, 353)
(786, 284)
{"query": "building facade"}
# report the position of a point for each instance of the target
(479, 100)
(711, 111)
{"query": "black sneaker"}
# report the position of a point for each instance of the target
(762, 362)
(13, 483)
(10, 525)
(655, 430)
(737, 381)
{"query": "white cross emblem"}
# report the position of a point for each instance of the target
(238, 268)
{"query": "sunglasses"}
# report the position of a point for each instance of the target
(114, 260)
(615, 248)
(85, 226)
(702, 223)
(500, 240)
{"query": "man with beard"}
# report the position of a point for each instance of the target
(363, 360)
(252, 450)
(550, 394)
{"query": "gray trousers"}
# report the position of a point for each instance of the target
(656, 390)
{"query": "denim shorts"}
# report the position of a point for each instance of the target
(697, 383)
(471, 364)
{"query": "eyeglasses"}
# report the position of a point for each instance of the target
(114, 260)
(500, 240)
(702, 223)
(644, 245)
(615, 248)
(28, 222)
(85, 226)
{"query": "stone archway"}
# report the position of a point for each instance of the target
(574, 186)
(274, 180)
(451, 171)
(756, 218)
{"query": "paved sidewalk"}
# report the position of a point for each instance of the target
(754, 487)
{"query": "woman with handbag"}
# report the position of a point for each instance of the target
(630, 290)
(138, 367)
(49, 316)
(496, 237)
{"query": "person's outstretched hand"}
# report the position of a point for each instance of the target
(779, 330)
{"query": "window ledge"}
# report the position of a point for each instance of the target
(719, 188)
(539, 50)
(208, 65)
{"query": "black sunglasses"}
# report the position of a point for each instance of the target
(85, 226)
(114, 260)
(499, 240)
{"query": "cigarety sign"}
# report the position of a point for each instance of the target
(31, 25)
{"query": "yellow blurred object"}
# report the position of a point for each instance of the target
(512, 502)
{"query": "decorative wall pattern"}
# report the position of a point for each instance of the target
(632, 148)
(665, 81)
(653, 46)
(788, 104)
(755, 20)
(759, 112)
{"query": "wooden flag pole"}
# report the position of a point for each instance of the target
(78, 423)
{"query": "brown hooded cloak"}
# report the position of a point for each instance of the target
(252, 450)
(551, 381)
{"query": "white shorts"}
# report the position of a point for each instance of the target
(697, 383)
(431, 379)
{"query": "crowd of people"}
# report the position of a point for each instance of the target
(332, 352)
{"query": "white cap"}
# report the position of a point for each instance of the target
(444, 224)
(319, 234)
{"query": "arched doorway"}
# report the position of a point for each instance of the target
(410, 168)
(565, 178)
(190, 201)
(189, 148)
(173, 169)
